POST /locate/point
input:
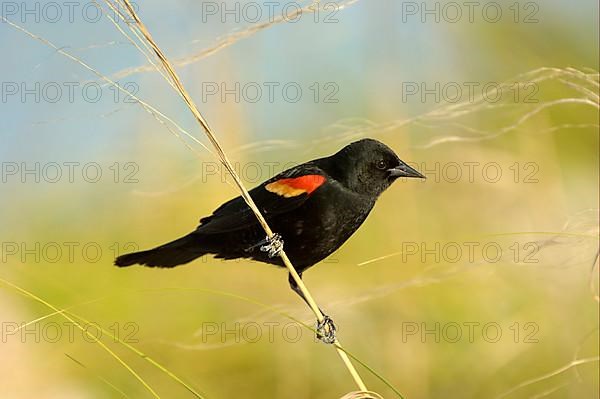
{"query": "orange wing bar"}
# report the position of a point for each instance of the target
(296, 185)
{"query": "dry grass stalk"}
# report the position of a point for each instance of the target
(227, 164)
(233, 38)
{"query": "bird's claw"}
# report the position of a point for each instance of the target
(273, 246)
(326, 330)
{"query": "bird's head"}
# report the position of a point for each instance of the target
(368, 167)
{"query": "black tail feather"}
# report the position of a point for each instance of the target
(174, 253)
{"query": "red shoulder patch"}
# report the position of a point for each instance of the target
(296, 185)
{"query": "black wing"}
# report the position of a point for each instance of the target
(236, 215)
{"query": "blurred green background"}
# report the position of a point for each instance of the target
(480, 282)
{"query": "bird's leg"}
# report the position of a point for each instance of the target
(326, 328)
(272, 245)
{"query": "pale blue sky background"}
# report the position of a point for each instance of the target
(368, 54)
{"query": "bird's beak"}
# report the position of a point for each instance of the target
(403, 170)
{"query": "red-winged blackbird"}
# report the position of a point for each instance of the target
(313, 207)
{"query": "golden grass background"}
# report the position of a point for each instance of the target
(367, 287)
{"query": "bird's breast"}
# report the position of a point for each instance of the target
(320, 226)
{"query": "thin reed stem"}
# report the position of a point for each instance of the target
(245, 195)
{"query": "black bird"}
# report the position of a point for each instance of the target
(313, 207)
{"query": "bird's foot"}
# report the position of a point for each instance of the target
(273, 245)
(326, 330)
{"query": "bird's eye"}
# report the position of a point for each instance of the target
(381, 164)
